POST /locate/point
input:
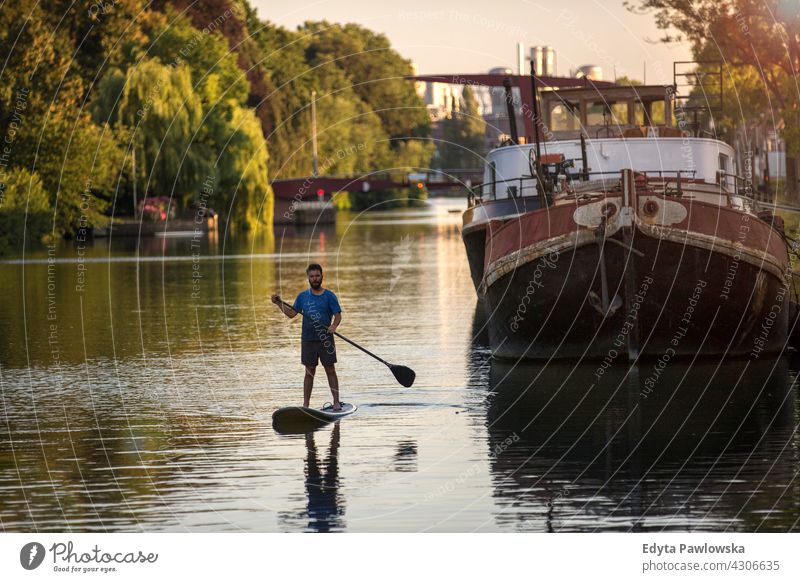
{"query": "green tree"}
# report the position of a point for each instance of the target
(103, 34)
(628, 81)
(24, 209)
(753, 37)
(285, 114)
(156, 104)
(186, 110)
(376, 73)
(42, 116)
(175, 42)
(236, 21)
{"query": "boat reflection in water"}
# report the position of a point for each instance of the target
(705, 447)
(325, 505)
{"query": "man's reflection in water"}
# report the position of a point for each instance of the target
(325, 508)
(405, 457)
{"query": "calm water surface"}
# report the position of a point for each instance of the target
(137, 383)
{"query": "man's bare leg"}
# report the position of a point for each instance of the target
(333, 382)
(308, 385)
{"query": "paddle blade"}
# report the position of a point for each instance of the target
(403, 374)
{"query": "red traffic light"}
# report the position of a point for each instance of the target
(320, 193)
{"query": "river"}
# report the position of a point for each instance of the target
(138, 379)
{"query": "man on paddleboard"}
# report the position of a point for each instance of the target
(321, 316)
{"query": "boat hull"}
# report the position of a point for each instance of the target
(543, 309)
(477, 221)
(710, 282)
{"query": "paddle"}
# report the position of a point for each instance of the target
(402, 374)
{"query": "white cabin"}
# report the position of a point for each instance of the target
(508, 171)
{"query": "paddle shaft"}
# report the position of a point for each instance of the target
(337, 334)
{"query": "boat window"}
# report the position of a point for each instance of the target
(639, 114)
(657, 113)
(493, 178)
(594, 113)
(619, 113)
(725, 180)
(600, 113)
(723, 163)
(563, 117)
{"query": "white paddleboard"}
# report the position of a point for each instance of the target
(297, 415)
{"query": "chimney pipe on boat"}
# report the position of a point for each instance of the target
(512, 116)
(584, 159)
(537, 124)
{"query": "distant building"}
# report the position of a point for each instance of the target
(544, 60)
(593, 72)
(441, 99)
(777, 165)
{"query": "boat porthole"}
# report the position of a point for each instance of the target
(608, 210)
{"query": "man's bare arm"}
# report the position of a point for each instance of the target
(287, 311)
(337, 319)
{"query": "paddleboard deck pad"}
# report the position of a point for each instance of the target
(300, 416)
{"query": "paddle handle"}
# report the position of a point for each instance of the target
(337, 334)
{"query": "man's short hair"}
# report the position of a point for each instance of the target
(314, 267)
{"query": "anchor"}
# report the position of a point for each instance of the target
(602, 305)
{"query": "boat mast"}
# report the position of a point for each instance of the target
(314, 158)
(584, 159)
(540, 186)
(512, 116)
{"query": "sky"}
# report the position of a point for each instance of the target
(463, 36)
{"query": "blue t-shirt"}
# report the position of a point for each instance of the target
(318, 312)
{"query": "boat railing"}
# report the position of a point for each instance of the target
(681, 175)
(517, 187)
(742, 185)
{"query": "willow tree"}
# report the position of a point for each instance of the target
(243, 185)
(230, 135)
(155, 107)
(187, 121)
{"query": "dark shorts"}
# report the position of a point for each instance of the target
(312, 353)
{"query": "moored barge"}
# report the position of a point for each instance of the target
(639, 241)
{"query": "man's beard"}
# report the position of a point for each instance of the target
(316, 284)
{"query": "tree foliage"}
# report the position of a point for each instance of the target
(47, 130)
(156, 104)
(359, 81)
(184, 108)
(204, 96)
(759, 43)
(24, 209)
